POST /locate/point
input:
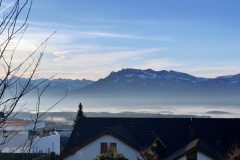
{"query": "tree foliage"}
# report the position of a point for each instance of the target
(148, 154)
(111, 156)
(234, 154)
(80, 114)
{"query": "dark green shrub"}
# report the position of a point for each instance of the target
(110, 156)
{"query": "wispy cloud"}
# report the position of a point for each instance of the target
(108, 35)
(121, 36)
(95, 31)
(159, 64)
(6, 7)
(212, 71)
(92, 62)
(90, 59)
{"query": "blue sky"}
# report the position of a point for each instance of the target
(95, 37)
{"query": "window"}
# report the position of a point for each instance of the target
(5, 134)
(104, 148)
(113, 147)
(192, 156)
(31, 134)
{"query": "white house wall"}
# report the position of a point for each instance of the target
(183, 158)
(201, 156)
(15, 142)
(18, 142)
(47, 144)
(90, 151)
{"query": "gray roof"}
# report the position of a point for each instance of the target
(197, 145)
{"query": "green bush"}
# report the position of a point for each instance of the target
(110, 156)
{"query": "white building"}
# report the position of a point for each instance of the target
(105, 142)
(167, 138)
(17, 137)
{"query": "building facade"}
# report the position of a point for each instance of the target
(18, 137)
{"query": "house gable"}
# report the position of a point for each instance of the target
(93, 148)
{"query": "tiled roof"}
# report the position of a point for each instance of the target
(197, 145)
(173, 132)
(124, 134)
(13, 123)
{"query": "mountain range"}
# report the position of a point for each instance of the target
(149, 86)
(162, 82)
(137, 81)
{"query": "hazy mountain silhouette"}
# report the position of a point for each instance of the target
(133, 81)
(147, 87)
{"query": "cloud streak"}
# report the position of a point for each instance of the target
(90, 34)
(4, 9)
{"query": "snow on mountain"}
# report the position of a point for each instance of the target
(135, 81)
(137, 76)
(134, 74)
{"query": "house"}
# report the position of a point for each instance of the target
(169, 138)
(16, 137)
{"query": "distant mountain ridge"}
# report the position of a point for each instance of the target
(170, 75)
(134, 87)
(70, 84)
(56, 85)
(135, 81)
